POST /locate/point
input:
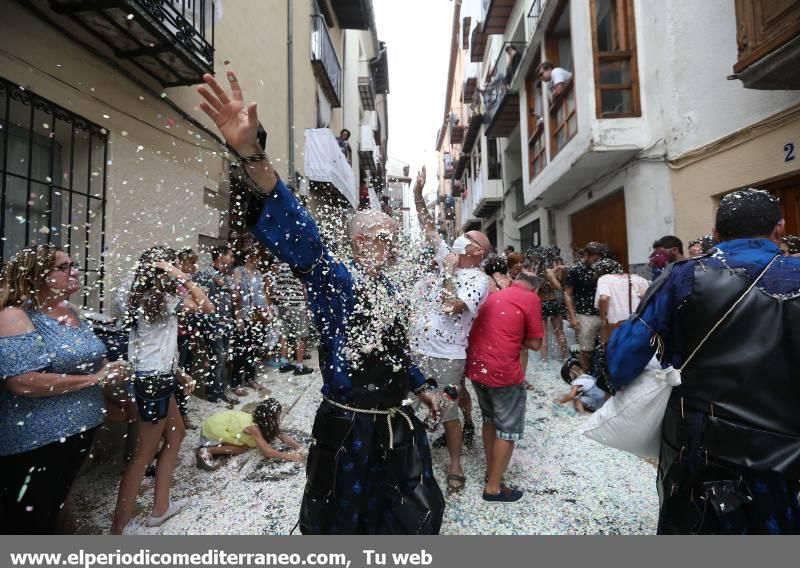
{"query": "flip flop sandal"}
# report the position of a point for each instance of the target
(455, 483)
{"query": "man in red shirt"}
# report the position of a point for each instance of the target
(508, 321)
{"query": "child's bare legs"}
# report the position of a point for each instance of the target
(174, 433)
(149, 437)
(561, 338)
(545, 343)
(226, 450)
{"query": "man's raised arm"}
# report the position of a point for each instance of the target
(238, 124)
(425, 219)
(274, 215)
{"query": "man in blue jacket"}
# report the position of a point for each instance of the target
(369, 469)
(730, 442)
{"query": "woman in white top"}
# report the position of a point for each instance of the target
(152, 320)
(618, 295)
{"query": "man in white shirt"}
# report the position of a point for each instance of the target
(618, 295)
(441, 330)
(556, 77)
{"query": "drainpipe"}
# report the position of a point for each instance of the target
(344, 83)
(290, 83)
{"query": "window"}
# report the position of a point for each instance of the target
(615, 67)
(537, 155)
(476, 161)
(495, 166)
(530, 235)
(52, 183)
(562, 108)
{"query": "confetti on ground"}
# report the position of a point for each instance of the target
(572, 485)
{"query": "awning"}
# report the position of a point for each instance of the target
(325, 163)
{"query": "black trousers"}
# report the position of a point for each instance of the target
(35, 484)
(246, 348)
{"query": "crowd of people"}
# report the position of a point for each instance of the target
(391, 341)
(179, 328)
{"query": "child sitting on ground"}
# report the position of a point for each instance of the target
(585, 394)
(233, 432)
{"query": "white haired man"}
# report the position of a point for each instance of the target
(369, 470)
(442, 329)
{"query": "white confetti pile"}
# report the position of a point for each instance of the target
(573, 486)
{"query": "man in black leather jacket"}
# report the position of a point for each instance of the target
(730, 443)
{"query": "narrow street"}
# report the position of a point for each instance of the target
(572, 485)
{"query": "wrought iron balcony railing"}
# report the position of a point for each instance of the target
(366, 86)
(325, 60)
(501, 78)
(171, 40)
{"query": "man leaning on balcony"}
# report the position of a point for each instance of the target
(556, 77)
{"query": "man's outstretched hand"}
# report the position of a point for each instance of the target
(420, 185)
(237, 122)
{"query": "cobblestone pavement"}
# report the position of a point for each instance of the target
(572, 485)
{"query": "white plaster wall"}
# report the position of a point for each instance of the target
(698, 43)
(649, 208)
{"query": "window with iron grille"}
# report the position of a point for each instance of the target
(52, 183)
(530, 235)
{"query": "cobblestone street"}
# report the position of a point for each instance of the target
(572, 485)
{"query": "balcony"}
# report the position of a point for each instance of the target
(457, 135)
(350, 14)
(502, 105)
(366, 86)
(379, 68)
(478, 44)
(325, 61)
(369, 152)
(472, 73)
(577, 157)
(468, 220)
(489, 199)
(496, 14)
(768, 35)
(171, 41)
(449, 166)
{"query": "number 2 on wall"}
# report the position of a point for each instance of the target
(789, 149)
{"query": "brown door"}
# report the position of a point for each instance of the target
(603, 222)
(789, 192)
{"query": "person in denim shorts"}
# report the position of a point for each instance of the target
(152, 319)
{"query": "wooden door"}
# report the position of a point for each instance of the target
(788, 191)
(603, 222)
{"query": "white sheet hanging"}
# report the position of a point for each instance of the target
(324, 162)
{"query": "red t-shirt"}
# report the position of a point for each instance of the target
(505, 321)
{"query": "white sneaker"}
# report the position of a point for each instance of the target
(175, 507)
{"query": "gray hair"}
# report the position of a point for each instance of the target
(364, 221)
(530, 279)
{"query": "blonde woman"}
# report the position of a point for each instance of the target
(52, 367)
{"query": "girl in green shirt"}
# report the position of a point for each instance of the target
(233, 432)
